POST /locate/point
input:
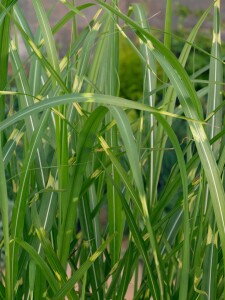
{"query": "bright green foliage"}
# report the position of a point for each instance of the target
(84, 141)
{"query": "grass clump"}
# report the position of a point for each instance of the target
(69, 151)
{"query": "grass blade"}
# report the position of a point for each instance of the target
(149, 85)
(4, 51)
(88, 98)
(5, 222)
(47, 34)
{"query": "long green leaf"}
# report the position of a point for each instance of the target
(88, 98)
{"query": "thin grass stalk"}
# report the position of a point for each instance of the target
(71, 58)
(168, 29)
(5, 223)
(116, 223)
(74, 26)
(4, 52)
(168, 24)
(149, 72)
(215, 77)
(35, 74)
